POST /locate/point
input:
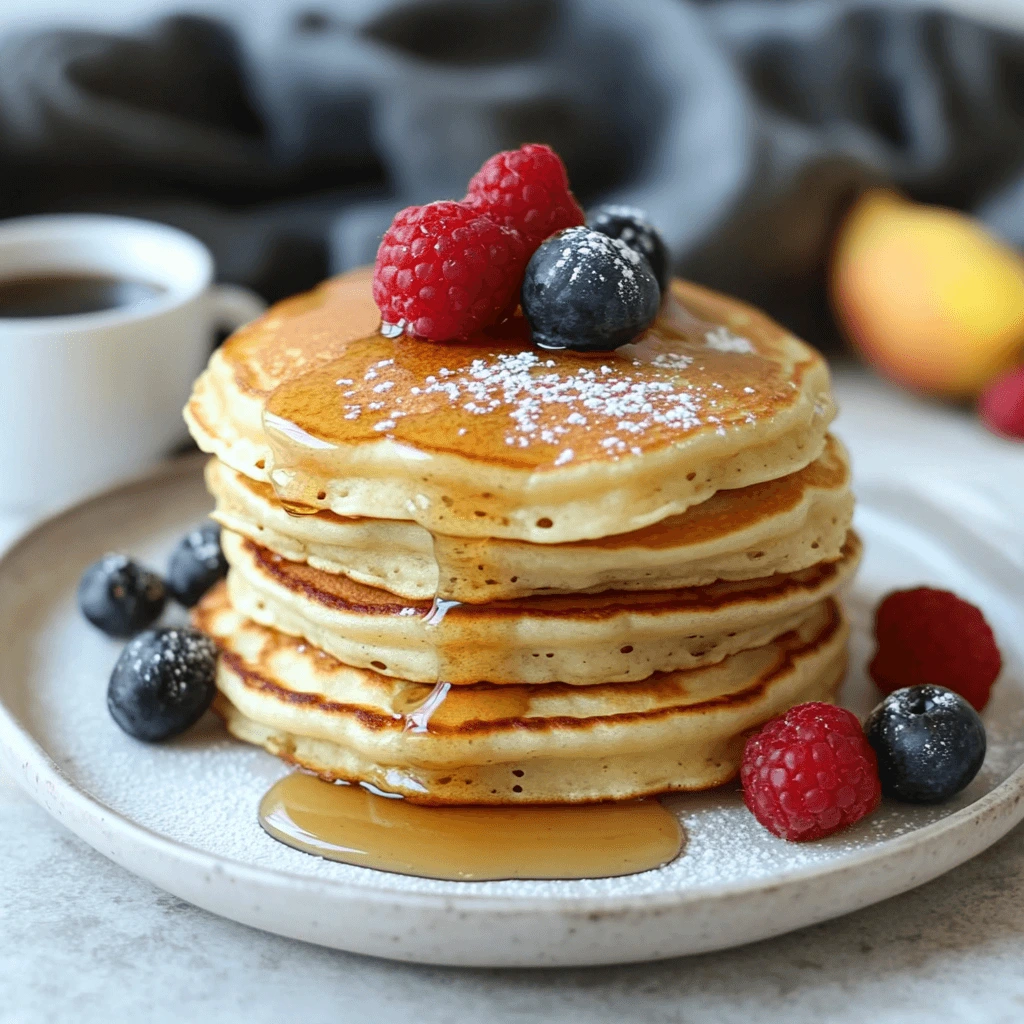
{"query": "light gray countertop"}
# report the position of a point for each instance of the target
(82, 940)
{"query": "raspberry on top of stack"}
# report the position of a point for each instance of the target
(515, 518)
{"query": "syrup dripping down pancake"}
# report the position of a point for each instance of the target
(580, 639)
(776, 526)
(512, 744)
(495, 438)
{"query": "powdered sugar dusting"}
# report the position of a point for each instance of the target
(721, 339)
(543, 403)
(637, 240)
(172, 660)
(499, 396)
(593, 255)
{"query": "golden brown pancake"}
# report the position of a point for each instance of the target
(580, 639)
(512, 744)
(637, 551)
(776, 526)
(495, 438)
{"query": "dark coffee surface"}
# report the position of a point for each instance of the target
(71, 294)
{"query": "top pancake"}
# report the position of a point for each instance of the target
(495, 438)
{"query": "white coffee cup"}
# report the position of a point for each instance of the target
(89, 399)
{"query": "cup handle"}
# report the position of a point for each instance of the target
(232, 306)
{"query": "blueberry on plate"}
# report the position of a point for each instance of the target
(120, 597)
(631, 226)
(196, 564)
(587, 291)
(162, 683)
(929, 742)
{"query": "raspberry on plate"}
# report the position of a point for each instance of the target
(932, 636)
(810, 773)
(1002, 405)
(444, 272)
(526, 189)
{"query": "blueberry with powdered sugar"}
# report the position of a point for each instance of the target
(163, 682)
(586, 291)
(196, 564)
(119, 596)
(630, 225)
(929, 742)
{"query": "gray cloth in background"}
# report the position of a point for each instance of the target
(287, 141)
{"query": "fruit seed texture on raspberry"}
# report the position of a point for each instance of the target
(927, 635)
(444, 272)
(810, 773)
(526, 189)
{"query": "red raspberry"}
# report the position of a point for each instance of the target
(810, 773)
(444, 271)
(526, 189)
(933, 636)
(1002, 405)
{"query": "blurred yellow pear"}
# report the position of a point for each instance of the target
(930, 298)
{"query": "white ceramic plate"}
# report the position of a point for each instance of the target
(184, 814)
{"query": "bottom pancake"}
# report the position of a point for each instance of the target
(486, 744)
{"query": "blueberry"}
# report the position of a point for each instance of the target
(631, 226)
(119, 596)
(197, 563)
(584, 290)
(930, 743)
(162, 683)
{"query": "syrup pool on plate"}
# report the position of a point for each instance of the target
(353, 825)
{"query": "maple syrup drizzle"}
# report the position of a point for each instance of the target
(418, 719)
(298, 508)
(438, 610)
(449, 653)
(500, 400)
(351, 824)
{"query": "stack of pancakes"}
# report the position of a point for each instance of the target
(485, 573)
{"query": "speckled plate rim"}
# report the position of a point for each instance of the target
(546, 931)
